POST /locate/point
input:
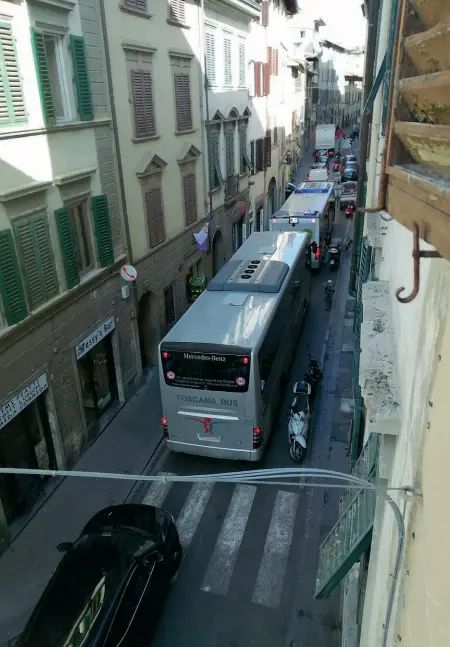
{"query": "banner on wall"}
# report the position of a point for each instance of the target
(201, 237)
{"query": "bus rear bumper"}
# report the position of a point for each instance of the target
(226, 453)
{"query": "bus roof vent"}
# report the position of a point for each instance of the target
(254, 275)
(313, 187)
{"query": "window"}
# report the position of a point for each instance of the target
(229, 150)
(241, 63)
(267, 149)
(155, 214)
(203, 370)
(37, 259)
(215, 173)
(244, 161)
(210, 53)
(144, 116)
(169, 307)
(12, 104)
(178, 11)
(182, 84)
(257, 155)
(266, 79)
(79, 220)
(237, 235)
(227, 61)
(258, 82)
(52, 45)
(140, 5)
(190, 198)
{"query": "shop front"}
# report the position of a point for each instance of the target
(25, 442)
(97, 372)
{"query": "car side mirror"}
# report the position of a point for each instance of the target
(64, 547)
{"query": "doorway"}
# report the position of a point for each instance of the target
(98, 381)
(148, 331)
(271, 198)
(218, 252)
(25, 442)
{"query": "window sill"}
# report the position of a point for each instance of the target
(216, 189)
(63, 127)
(137, 140)
(175, 23)
(185, 132)
(135, 12)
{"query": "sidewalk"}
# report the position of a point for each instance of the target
(126, 445)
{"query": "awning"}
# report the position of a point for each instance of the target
(296, 62)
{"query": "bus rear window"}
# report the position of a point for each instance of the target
(207, 371)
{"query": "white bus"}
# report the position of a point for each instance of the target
(223, 365)
(310, 208)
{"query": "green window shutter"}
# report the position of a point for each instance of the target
(102, 230)
(36, 252)
(68, 247)
(83, 89)
(12, 104)
(11, 290)
(45, 90)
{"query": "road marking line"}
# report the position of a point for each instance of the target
(269, 583)
(220, 569)
(192, 511)
(158, 491)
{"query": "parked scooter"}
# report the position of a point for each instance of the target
(334, 256)
(350, 209)
(299, 420)
(328, 297)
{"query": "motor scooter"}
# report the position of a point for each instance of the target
(299, 421)
(334, 256)
(313, 376)
(350, 209)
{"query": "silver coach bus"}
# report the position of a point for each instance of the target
(224, 363)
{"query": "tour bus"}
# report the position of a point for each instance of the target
(310, 208)
(225, 363)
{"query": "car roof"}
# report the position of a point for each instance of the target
(135, 517)
(90, 574)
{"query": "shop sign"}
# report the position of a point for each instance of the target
(104, 329)
(12, 408)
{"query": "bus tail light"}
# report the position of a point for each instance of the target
(165, 427)
(257, 437)
(317, 254)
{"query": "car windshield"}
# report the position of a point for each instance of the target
(81, 590)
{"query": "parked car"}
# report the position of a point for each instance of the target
(348, 159)
(110, 586)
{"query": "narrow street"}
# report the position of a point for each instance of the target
(248, 574)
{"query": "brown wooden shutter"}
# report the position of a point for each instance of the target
(190, 199)
(260, 154)
(183, 102)
(144, 118)
(258, 79)
(276, 62)
(252, 156)
(155, 217)
(266, 84)
(270, 57)
(265, 13)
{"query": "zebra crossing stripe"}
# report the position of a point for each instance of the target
(220, 569)
(192, 511)
(158, 491)
(269, 583)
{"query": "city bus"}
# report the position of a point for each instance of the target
(224, 364)
(310, 208)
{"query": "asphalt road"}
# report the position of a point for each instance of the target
(249, 567)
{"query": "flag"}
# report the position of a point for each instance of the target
(202, 237)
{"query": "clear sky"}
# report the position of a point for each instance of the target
(345, 23)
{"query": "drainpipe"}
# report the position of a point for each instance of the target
(202, 71)
(134, 297)
(266, 193)
(364, 131)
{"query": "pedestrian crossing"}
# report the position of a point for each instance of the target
(237, 520)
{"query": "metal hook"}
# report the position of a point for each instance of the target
(417, 254)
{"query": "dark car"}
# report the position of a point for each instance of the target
(348, 159)
(350, 174)
(110, 586)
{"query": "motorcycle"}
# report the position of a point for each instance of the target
(335, 167)
(299, 420)
(334, 255)
(350, 209)
(328, 297)
(313, 376)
